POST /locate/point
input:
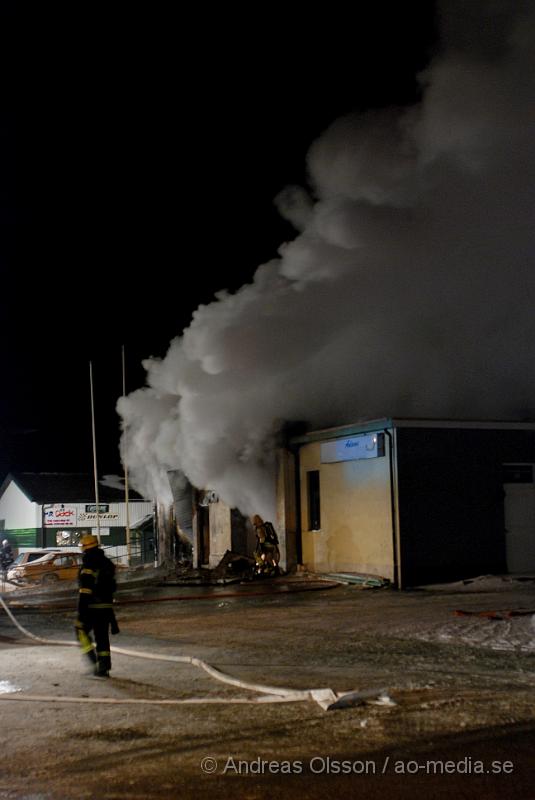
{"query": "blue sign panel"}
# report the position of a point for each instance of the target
(352, 449)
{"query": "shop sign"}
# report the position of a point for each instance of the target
(60, 515)
(352, 449)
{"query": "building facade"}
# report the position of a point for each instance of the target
(415, 501)
(55, 509)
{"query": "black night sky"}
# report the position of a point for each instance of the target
(140, 155)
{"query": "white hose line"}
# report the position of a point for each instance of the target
(32, 635)
(324, 697)
(215, 673)
(50, 698)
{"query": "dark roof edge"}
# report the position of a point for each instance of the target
(368, 426)
(108, 494)
(341, 431)
(489, 424)
(11, 478)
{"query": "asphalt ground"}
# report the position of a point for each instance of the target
(460, 720)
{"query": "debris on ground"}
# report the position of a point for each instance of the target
(384, 699)
(482, 583)
(377, 697)
(360, 579)
(232, 568)
(495, 614)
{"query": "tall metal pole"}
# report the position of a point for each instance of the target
(94, 450)
(125, 462)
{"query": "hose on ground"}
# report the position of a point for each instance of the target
(325, 697)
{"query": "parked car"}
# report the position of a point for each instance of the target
(49, 568)
(31, 555)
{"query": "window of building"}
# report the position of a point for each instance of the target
(313, 495)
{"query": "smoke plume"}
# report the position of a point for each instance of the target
(408, 289)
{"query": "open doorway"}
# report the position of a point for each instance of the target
(203, 533)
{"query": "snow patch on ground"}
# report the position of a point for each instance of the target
(6, 687)
(499, 622)
(513, 635)
(484, 583)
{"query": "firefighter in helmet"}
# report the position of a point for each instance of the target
(95, 605)
(266, 554)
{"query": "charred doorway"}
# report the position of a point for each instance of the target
(203, 533)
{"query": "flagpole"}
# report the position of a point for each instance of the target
(94, 450)
(125, 463)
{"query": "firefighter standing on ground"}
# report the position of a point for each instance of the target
(6, 556)
(95, 605)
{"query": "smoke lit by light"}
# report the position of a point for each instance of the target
(408, 289)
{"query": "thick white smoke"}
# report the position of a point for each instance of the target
(408, 291)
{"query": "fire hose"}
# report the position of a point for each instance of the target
(326, 698)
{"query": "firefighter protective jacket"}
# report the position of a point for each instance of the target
(96, 580)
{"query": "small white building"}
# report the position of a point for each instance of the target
(55, 509)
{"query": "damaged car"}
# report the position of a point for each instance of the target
(48, 569)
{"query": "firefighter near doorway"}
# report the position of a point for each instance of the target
(266, 554)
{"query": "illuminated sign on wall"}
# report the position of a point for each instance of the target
(86, 517)
(354, 448)
(60, 515)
